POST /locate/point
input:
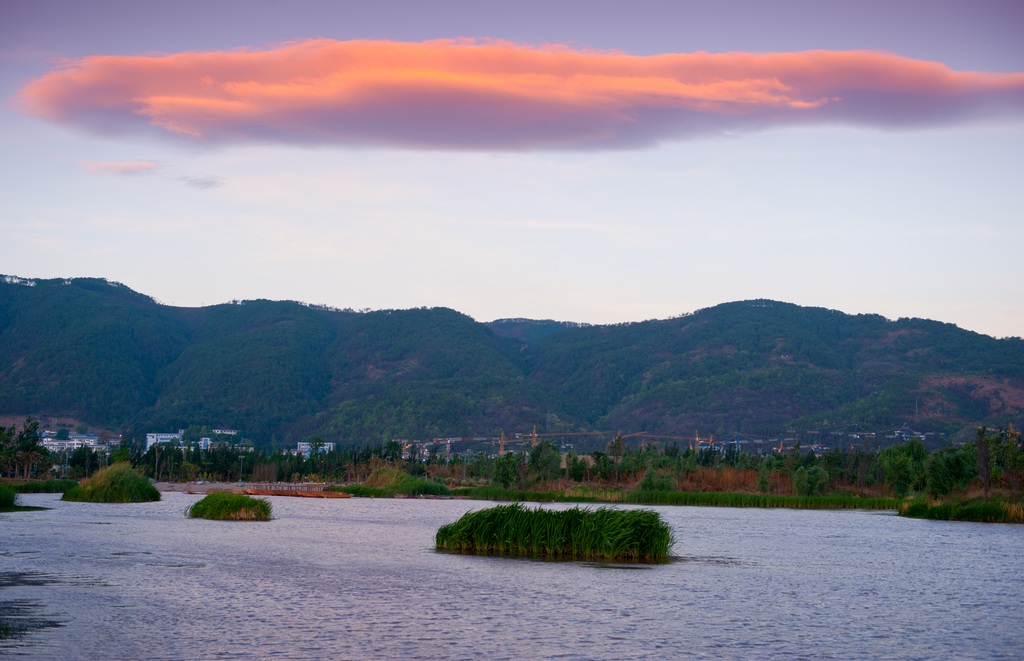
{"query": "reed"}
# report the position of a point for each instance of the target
(718, 499)
(387, 482)
(572, 534)
(118, 483)
(228, 506)
(8, 498)
(993, 510)
(43, 486)
(491, 492)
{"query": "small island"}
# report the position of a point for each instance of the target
(573, 534)
(119, 483)
(228, 506)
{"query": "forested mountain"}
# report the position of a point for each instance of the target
(280, 371)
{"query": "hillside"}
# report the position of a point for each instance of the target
(281, 370)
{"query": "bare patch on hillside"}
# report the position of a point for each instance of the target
(999, 395)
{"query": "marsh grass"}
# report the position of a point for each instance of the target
(227, 506)
(43, 486)
(993, 510)
(578, 495)
(118, 483)
(704, 498)
(718, 499)
(8, 498)
(572, 534)
(387, 482)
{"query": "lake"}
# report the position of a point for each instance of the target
(359, 579)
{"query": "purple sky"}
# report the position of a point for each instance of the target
(504, 190)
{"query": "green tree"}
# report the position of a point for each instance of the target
(507, 469)
(983, 446)
(949, 469)
(903, 466)
(545, 462)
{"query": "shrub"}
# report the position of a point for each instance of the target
(227, 506)
(118, 483)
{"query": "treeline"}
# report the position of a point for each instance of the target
(993, 462)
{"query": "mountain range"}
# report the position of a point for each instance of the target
(113, 358)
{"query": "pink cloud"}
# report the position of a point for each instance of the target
(468, 94)
(119, 167)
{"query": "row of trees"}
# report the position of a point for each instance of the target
(995, 460)
(21, 455)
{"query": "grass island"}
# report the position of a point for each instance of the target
(573, 534)
(228, 506)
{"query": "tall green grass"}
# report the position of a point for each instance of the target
(43, 486)
(118, 483)
(227, 506)
(719, 499)
(573, 534)
(994, 510)
(8, 498)
(492, 492)
(387, 482)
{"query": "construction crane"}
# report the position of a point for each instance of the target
(534, 435)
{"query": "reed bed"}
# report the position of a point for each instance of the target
(514, 495)
(387, 482)
(8, 498)
(118, 483)
(994, 510)
(43, 486)
(573, 534)
(717, 499)
(228, 506)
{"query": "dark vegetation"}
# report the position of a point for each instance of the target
(573, 534)
(119, 483)
(8, 498)
(284, 371)
(42, 486)
(227, 506)
(388, 482)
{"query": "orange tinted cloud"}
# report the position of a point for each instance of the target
(467, 94)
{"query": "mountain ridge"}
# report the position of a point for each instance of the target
(284, 370)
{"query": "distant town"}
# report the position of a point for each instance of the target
(63, 441)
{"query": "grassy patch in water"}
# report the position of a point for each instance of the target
(515, 495)
(227, 506)
(8, 498)
(720, 499)
(573, 534)
(118, 483)
(993, 510)
(387, 482)
(43, 486)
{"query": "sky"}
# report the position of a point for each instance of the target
(597, 162)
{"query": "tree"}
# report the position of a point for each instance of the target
(506, 470)
(545, 461)
(949, 469)
(903, 466)
(983, 448)
(1012, 459)
(616, 449)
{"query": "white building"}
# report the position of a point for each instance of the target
(162, 437)
(304, 449)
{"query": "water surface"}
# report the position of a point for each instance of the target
(359, 579)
